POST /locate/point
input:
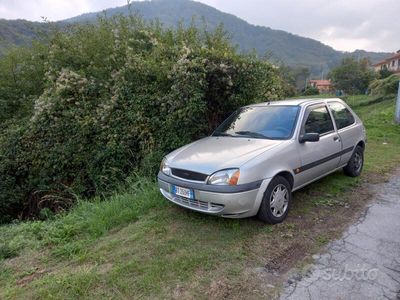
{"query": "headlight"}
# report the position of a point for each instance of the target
(164, 167)
(225, 177)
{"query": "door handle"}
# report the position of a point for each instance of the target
(336, 139)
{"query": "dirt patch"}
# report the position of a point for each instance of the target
(330, 219)
(219, 289)
(251, 284)
(27, 279)
(286, 259)
(29, 264)
(104, 268)
(179, 292)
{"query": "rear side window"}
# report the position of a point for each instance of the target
(318, 121)
(343, 117)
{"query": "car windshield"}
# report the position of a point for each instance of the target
(266, 122)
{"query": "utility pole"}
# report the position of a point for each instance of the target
(397, 115)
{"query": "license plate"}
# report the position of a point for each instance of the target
(184, 192)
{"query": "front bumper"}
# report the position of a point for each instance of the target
(228, 201)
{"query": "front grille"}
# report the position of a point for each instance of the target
(203, 205)
(189, 175)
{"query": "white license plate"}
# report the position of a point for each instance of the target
(184, 192)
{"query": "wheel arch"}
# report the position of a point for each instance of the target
(361, 144)
(288, 176)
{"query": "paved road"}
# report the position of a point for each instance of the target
(365, 262)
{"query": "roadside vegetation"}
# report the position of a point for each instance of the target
(94, 103)
(136, 244)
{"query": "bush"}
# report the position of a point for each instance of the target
(309, 91)
(114, 97)
(386, 86)
(384, 73)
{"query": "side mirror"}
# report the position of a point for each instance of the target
(309, 137)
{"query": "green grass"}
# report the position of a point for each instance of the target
(136, 244)
(69, 232)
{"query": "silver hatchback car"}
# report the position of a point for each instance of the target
(259, 155)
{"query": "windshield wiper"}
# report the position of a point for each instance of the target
(222, 134)
(252, 134)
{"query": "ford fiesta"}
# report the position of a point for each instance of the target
(262, 153)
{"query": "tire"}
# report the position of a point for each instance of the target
(267, 212)
(356, 163)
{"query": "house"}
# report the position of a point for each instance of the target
(391, 63)
(323, 86)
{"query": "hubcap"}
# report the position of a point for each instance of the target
(358, 161)
(279, 200)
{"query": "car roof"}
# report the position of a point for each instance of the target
(296, 102)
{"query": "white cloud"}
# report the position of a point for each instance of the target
(53, 10)
(342, 24)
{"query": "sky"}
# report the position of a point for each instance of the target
(345, 25)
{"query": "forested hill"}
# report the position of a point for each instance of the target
(19, 32)
(282, 46)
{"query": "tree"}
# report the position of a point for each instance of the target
(352, 76)
(295, 77)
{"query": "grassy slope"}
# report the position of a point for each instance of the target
(138, 245)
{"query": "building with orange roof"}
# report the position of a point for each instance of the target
(323, 85)
(391, 64)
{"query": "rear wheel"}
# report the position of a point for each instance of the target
(356, 163)
(276, 202)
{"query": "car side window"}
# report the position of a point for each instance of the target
(343, 117)
(318, 121)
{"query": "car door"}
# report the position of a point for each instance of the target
(321, 157)
(346, 128)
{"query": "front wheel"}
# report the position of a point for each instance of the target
(356, 163)
(276, 202)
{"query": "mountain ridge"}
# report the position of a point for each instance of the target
(281, 46)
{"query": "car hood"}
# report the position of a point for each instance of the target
(211, 154)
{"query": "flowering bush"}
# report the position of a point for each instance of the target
(113, 98)
(385, 86)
